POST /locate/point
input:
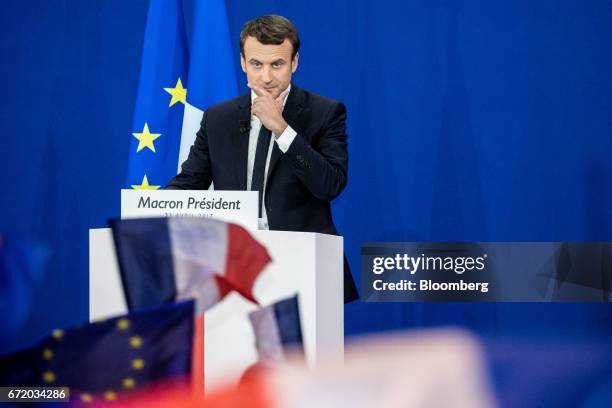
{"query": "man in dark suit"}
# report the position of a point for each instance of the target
(287, 143)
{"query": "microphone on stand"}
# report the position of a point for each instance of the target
(245, 126)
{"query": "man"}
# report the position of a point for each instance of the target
(285, 142)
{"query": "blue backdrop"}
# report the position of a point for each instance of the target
(478, 120)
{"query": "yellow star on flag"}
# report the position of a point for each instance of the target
(145, 185)
(138, 364)
(146, 138)
(124, 324)
(128, 383)
(85, 397)
(110, 395)
(49, 376)
(47, 354)
(179, 94)
(135, 342)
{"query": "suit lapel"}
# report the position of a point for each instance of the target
(292, 110)
(241, 140)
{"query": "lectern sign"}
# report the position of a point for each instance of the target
(239, 207)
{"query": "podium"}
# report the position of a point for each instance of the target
(308, 264)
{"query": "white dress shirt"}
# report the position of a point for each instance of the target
(283, 142)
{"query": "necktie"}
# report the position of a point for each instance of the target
(259, 167)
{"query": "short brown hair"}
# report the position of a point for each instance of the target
(270, 30)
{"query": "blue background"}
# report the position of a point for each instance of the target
(468, 120)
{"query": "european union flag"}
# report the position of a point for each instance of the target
(102, 360)
(176, 85)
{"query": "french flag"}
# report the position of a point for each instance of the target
(277, 331)
(164, 260)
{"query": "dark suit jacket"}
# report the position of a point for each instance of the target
(300, 183)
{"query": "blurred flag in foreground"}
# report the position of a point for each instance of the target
(176, 85)
(253, 394)
(167, 259)
(22, 263)
(443, 368)
(277, 330)
(437, 368)
(103, 360)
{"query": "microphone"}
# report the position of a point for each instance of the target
(245, 126)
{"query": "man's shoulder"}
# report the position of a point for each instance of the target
(317, 101)
(229, 105)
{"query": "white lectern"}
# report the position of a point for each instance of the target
(308, 264)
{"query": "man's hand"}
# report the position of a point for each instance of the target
(269, 110)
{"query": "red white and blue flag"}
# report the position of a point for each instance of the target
(163, 260)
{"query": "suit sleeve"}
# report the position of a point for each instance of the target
(196, 171)
(323, 166)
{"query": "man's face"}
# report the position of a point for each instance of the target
(268, 66)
